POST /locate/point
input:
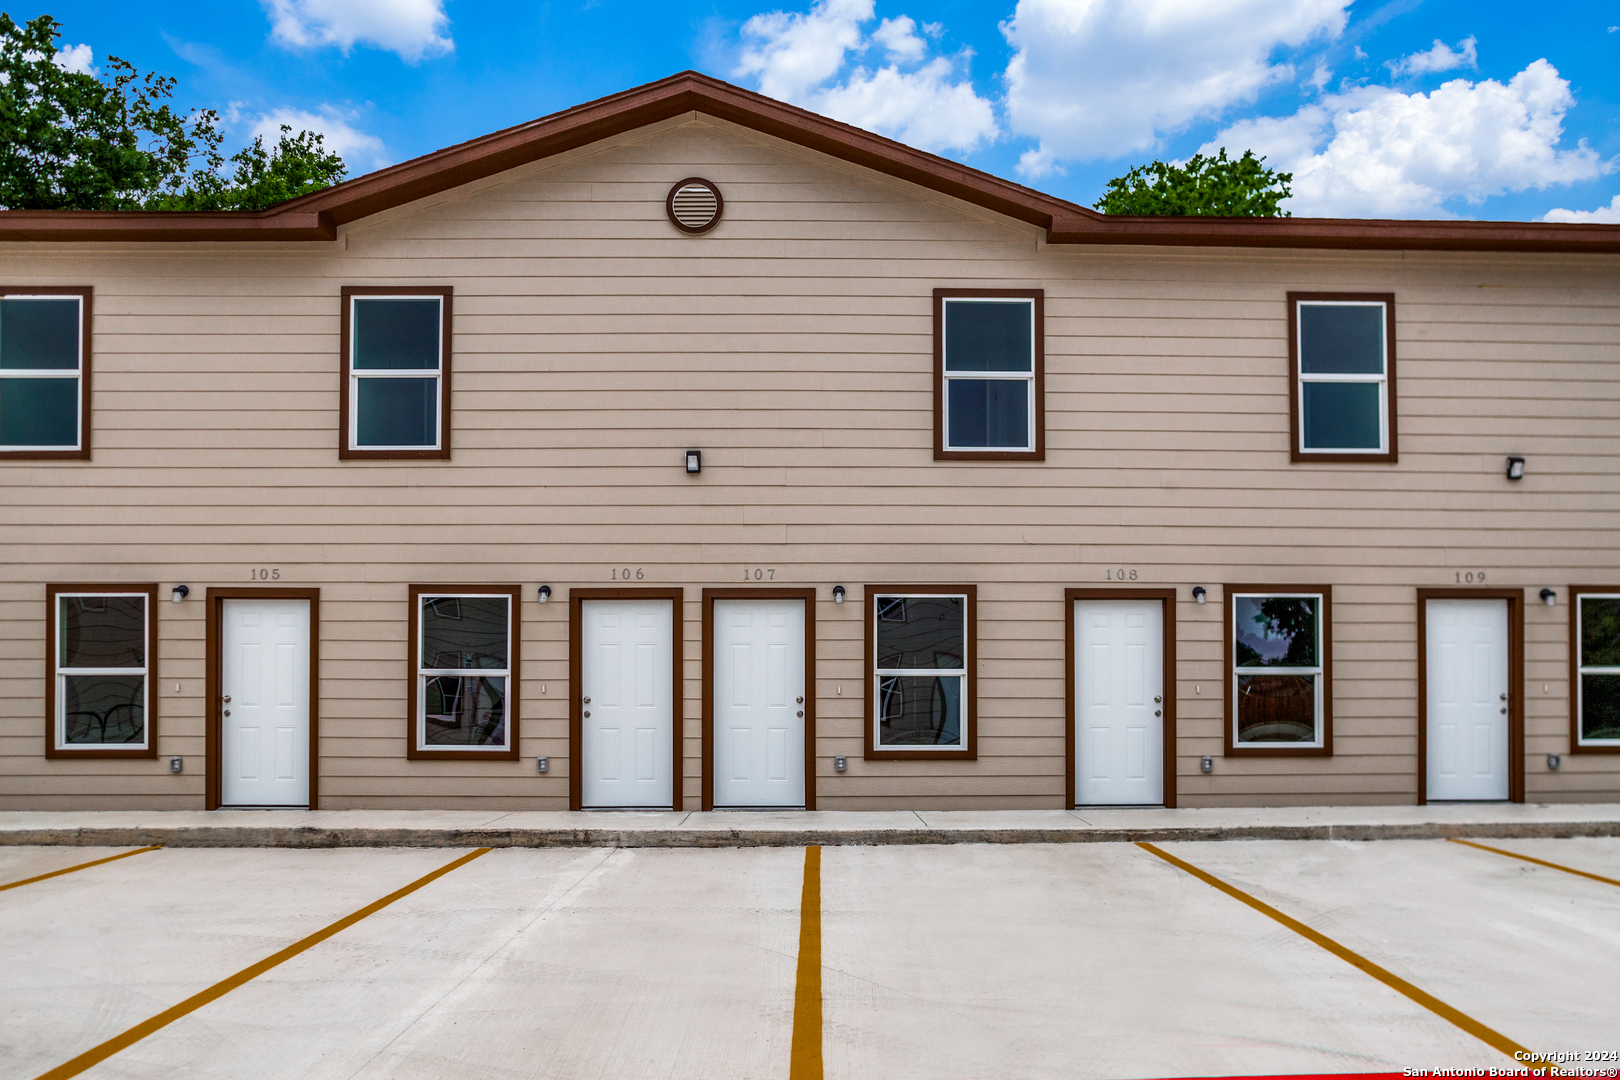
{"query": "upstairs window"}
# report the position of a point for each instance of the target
(396, 385)
(1596, 617)
(99, 688)
(1342, 351)
(920, 684)
(989, 374)
(45, 373)
(1278, 687)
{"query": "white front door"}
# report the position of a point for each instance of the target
(1467, 674)
(264, 706)
(1119, 702)
(758, 708)
(627, 703)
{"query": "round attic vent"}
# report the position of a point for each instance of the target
(694, 205)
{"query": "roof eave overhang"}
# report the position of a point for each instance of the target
(316, 217)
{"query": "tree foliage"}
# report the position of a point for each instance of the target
(73, 141)
(1216, 186)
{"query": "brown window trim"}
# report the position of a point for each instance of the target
(1228, 592)
(576, 666)
(52, 751)
(809, 598)
(87, 295)
(970, 710)
(345, 451)
(514, 662)
(1037, 454)
(213, 738)
(1295, 454)
(1575, 592)
(1515, 603)
(1167, 598)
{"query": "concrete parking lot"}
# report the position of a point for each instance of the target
(1017, 961)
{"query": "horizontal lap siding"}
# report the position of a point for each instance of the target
(593, 344)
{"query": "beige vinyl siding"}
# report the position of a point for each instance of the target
(593, 343)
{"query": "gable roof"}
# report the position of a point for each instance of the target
(317, 216)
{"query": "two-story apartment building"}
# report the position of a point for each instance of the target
(686, 449)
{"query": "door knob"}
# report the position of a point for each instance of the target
(587, 701)
(227, 699)
(1157, 699)
(798, 700)
(1504, 698)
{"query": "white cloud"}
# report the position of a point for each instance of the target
(360, 152)
(411, 28)
(76, 58)
(805, 58)
(1376, 152)
(1096, 79)
(1603, 215)
(1439, 58)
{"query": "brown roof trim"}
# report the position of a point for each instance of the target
(315, 217)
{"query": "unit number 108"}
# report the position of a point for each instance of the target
(1122, 575)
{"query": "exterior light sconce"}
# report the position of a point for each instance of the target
(545, 598)
(1515, 468)
(180, 592)
(694, 461)
(1207, 763)
(1554, 761)
(840, 763)
(1549, 598)
(542, 764)
(1199, 596)
(838, 594)
(176, 764)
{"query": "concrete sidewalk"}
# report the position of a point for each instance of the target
(762, 828)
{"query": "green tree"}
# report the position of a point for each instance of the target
(1216, 186)
(72, 141)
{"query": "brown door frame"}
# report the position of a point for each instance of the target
(215, 606)
(809, 598)
(677, 692)
(1167, 600)
(1515, 614)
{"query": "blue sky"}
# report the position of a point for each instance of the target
(1402, 108)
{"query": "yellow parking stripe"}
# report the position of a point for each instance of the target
(1538, 862)
(805, 1062)
(1478, 1030)
(81, 866)
(220, 989)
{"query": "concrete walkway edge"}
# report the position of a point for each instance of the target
(340, 836)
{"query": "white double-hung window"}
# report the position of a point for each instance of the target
(989, 360)
(396, 371)
(1343, 376)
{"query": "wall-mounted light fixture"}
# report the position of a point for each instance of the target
(1549, 598)
(1515, 468)
(694, 461)
(545, 594)
(180, 592)
(1199, 595)
(1554, 761)
(838, 594)
(1207, 763)
(840, 763)
(175, 764)
(542, 764)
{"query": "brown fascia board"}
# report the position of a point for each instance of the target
(315, 217)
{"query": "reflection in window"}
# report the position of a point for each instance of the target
(101, 657)
(921, 670)
(1598, 619)
(989, 376)
(40, 372)
(1277, 667)
(462, 671)
(1343, 377)
(395, 372)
